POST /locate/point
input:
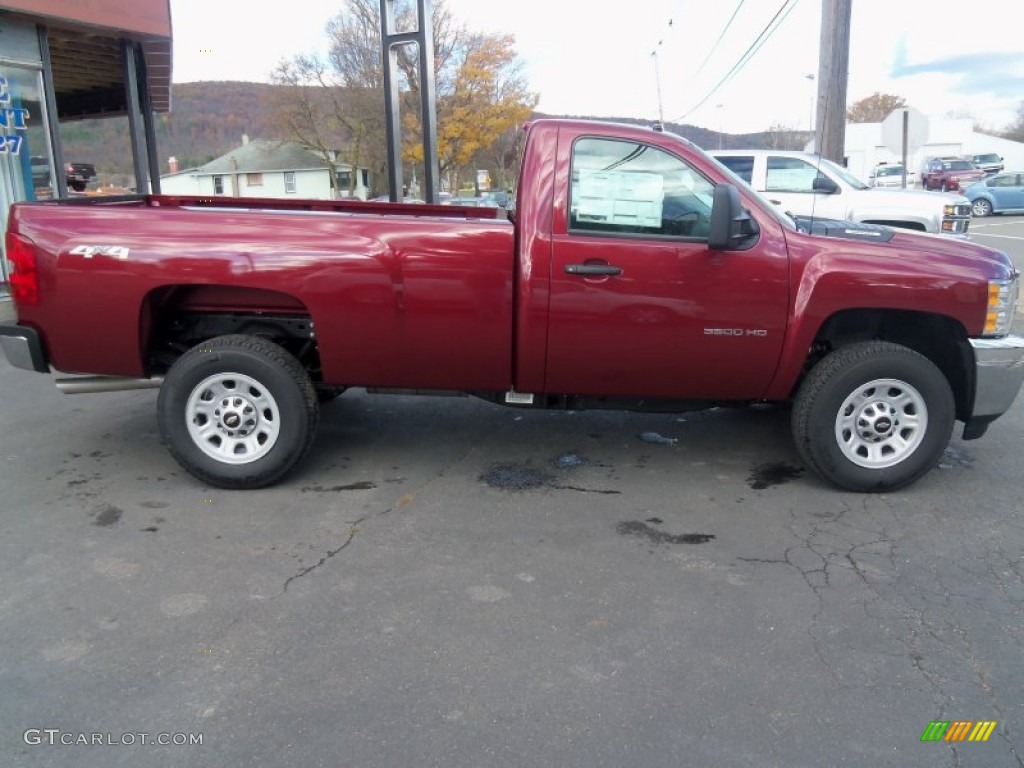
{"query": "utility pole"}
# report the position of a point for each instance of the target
(833, 70)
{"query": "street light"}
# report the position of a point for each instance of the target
(719, 121)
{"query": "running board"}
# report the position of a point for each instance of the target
(82, 385)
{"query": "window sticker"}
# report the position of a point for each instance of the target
(631, 198)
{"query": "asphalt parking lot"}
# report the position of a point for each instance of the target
(448, 583)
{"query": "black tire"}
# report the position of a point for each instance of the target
(873, 417)
(237, 412)
(981, 207)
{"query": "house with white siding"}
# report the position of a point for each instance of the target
(267, 168)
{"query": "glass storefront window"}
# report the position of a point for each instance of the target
(26, 159)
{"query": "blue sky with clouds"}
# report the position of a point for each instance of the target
(590, 58)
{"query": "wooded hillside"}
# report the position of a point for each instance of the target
(208, 119)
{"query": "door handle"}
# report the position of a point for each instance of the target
(592, 269)
(777, 202)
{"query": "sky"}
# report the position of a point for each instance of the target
(673, 57)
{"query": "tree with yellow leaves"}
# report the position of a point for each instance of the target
(487, 97)
(480, 91)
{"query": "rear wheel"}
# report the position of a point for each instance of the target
(981, 207)
(237, 412)
(873, 417)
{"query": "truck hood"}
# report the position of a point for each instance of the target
(927, 251)
(910, 198)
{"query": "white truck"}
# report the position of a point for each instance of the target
(803, 184)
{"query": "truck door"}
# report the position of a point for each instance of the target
(788, 184)
(639, 304)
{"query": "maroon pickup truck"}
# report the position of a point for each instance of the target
(637, 272)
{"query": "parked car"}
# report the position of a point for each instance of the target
(949, 175)
(1003, 193)
(472, 202)
(387, 199)
(989, 163)
(890, 175)
(79, 175)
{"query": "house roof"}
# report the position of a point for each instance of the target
(264, 156)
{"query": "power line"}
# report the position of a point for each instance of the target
(784, 10)
(720, 36)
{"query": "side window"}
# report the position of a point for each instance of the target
(622, 187)
(1001, 181)
(790, 174)
(741, 165)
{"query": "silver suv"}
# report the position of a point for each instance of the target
(989, 163)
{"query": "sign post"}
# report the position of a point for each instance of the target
(904, 132)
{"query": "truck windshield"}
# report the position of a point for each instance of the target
(844, 174)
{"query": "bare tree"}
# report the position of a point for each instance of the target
(1015, 130)
(782, 136)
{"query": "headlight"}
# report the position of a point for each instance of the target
(1002, 302)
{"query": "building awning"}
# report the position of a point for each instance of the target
(85, 51)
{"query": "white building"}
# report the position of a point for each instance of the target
(265, 168)
(865, 148)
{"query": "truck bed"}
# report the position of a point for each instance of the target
(409, 295)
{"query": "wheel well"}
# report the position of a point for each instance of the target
(176, 318)
(915, 225)
(941, 339)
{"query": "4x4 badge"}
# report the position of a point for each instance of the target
(119, 252)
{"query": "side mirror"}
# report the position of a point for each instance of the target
(825, 185)
(731, 228)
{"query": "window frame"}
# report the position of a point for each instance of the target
(289, 182)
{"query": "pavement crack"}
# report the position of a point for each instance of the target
(353, 529)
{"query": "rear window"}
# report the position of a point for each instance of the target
(741, 165)
(960, 165)
(890, 170)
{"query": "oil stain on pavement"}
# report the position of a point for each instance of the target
(643, 530)
(768, 475)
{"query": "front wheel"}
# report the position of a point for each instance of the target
(981, 207)
(873, 417)
(237, 412)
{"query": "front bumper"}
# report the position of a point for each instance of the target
(23, 348)
(999, 373)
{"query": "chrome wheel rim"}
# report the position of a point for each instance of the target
(233, 418)
(980, 208)
(881, 423)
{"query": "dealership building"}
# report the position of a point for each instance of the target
(63, 61)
